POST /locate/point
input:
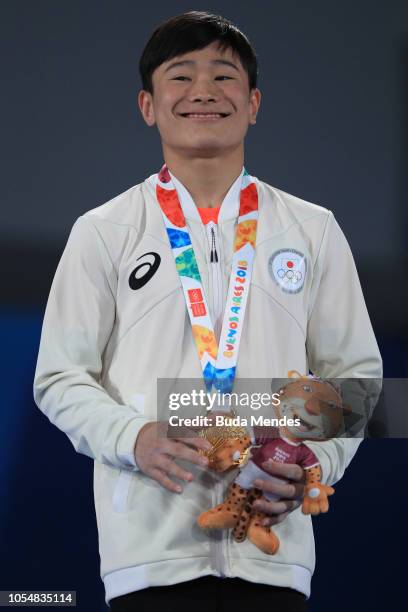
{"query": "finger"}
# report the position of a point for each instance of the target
(291, 471)
(196, 442)
(164, 480)
(177, 448)
(182, 451)
(182, 431)
(277, 507)
(169, 466)
(275, 520)
(283, 490)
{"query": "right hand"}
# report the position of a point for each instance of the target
(154, 453)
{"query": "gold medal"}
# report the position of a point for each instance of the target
(230, 445)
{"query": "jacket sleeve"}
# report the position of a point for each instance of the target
(78, 321)
(341, 343)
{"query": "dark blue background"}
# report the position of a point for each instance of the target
(332, 129)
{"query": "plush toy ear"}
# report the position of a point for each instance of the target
(347, 410)
(294, 374)
(351, 418)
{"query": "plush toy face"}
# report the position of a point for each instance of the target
(316, 404)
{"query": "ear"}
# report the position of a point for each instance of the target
(254, 101)
(145, 101)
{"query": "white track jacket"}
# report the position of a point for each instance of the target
(106, 340)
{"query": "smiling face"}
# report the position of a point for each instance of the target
(201, 102)
(316, 404)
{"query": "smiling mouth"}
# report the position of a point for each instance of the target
(303, 423)
(204, 115)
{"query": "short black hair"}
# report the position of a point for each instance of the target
(192, 31)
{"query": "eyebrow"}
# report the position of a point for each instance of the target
(192, 62)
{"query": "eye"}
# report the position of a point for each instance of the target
(178, 78)
(332, 405)
(307, 388)
(223, 77)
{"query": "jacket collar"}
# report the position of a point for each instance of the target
(229, 207)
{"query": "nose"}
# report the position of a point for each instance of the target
(313, 406)
(203, 90)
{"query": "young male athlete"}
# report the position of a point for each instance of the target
(140, 294)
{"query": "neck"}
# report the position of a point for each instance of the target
(207, 179)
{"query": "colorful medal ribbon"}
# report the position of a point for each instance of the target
(218, 362)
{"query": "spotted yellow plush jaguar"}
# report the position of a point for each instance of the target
(316, 408)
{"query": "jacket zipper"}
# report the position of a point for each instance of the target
(215, 276)
(221, 544)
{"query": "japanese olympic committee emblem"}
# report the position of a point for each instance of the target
(288, 268)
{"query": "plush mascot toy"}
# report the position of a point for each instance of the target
(317, 409)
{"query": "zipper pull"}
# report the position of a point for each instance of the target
(214, 255)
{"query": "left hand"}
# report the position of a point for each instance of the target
(290, 492)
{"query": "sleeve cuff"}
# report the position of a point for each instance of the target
(127, 441)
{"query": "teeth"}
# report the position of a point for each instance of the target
(203, 115)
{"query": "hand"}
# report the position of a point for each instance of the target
(315, 500)
(290, 492)
(154, 453)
